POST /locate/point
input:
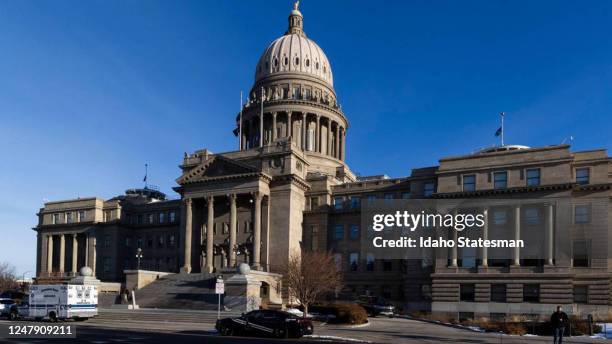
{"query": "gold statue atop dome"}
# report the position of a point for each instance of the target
(296, 5)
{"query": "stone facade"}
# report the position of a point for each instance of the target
(290, 188)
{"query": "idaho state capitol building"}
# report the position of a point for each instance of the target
(288, 188)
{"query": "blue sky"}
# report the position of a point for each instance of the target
(90, 91)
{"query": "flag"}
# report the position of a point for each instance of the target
(498, 131)
(146, 172)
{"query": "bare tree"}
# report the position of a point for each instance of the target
(310, 276)
(7, 276)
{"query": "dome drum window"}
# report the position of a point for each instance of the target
(307, 63)
(297, 61)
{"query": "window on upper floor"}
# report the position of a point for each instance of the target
(353, 261)
(500, 217)
(532, 216)
(149, 242)
(582, 175)
(314, 238)
(389, 197)
(371, 199)
(160, 240)
(338, 261)
(469, 182)
(171, 240)
(338, 203)
(533, 177)
(580, 253)
(406, 195)
(339, 232)
(428, 189)
(354, 232)
(370, 262)
(355, 202)
(128, 241)
(150, 218)
(82, 215)
(172, 217)
(500, 180)
(582, 214)
(69, 218)
(314, 202)
(139, 219)
(162, 217)
(56, 219)
(107, 241)
(139, 243)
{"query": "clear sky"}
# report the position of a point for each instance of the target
(90, 91)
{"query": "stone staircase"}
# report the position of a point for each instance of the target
(180, 291)
(159, 315)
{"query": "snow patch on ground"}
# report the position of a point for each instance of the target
(335, 338)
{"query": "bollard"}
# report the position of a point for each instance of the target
(590, 321)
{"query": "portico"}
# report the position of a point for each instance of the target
(76, 248)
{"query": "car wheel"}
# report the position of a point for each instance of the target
(12, 315)
(53, 317)
(281, 333)
(226, 331)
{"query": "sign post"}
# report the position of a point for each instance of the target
(219, 289)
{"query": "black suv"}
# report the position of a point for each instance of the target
(268, 323)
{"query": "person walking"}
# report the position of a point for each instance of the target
(559, 321)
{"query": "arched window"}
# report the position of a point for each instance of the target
(286, 61)
(275, 62)
(317, 65)
(307, 63)
(297, 61)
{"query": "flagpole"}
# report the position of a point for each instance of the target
(240, 124)
(502, 128)
(146, 174)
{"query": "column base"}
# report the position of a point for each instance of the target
(186, 269)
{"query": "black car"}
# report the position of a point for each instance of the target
(269, 323)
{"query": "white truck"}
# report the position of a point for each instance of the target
(60, 302)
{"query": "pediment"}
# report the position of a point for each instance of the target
(217, 167)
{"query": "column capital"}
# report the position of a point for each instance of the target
(74, 235)
(274, 113)
(258, 195)
(187, 201)
(210, 199)
(232, 197)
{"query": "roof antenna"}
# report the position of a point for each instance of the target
(570, 138)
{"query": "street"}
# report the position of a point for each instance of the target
(165, 326)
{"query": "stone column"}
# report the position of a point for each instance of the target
(329, 136)
(550, 227)
(342, 144)
(517, 235)
(273, 126)
(94, 251)
(210, 227)
(50, 254)
(188, 234)
(62, 253)
(289, 129)
(485, 236)
(261, 127)
(337, 143)
(257, 231)
(304, 121)
(233, 222)
(317, 146)
(454, 248)
(75, 254)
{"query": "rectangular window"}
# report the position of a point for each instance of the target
(582, 176)
(354, 232)
(500, 180)
(56, 219)
(533, 177)
(582, 214)
(371, 199)
(532, 216)
(107, 241)
(467, 292)
(581, 293)
(314, 238)
(498, 293)
(355, 202)
(225, 228)
(68, 217)
(106, 264)
(338, 203)
(160, 241)
(149, 242)
(338, 261)
(406, 195)
(139, 219)
(389, 198)
(500, 217)
(307, 94)
(469, 182)
(339, 232)
(580, 253)
(150, 218)
(353, 261)
(248, 228)
(128, 241)
(139, 243)
(314, 203)
(428, 189)
(162, 217)
(82, 215)
(171, 240)
(172, 217)
(531, 293)
(370, 262)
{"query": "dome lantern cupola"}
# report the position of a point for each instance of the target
(296, 21)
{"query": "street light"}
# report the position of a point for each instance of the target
(138, 257)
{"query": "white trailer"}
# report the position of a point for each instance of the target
(66, 301)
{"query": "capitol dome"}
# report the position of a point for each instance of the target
(294, 53)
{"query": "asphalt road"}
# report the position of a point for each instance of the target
(114, 329)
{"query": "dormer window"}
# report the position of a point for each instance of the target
(500, 180)
(582, 176)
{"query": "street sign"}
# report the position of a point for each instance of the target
(219, 287)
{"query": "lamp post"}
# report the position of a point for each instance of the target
(138, 257)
